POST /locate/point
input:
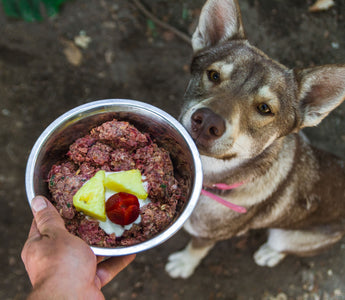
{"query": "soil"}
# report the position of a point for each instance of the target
(43, 73)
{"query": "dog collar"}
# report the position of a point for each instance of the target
(224, 186)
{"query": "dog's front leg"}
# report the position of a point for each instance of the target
(183, 263)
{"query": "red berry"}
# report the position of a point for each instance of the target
(122, 208)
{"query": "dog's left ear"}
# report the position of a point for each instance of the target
(219, 20)
(321, 90)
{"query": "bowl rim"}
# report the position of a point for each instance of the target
(196, 187)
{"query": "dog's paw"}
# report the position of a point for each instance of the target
(181, 264)
(268, 257)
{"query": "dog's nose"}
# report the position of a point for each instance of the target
(207, 125)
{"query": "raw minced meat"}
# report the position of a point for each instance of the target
(117, 146)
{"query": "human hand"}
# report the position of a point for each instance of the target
(60, 264)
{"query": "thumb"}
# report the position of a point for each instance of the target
(45, 214)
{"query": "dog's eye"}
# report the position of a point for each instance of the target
(264, 109)
(213, 76)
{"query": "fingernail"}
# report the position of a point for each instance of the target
(38, 203)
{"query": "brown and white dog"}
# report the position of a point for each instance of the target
(244, 111)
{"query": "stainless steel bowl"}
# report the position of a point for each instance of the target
(169, 133)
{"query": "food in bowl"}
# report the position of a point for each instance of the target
(107, 160)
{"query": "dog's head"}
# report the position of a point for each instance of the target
(239, 101)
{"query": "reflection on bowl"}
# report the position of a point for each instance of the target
(169, 134)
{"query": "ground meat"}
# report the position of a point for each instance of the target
(117, 146)
(80, 148)
(156, 166)
(87, 169)
(90, 232)
(121, 160)
(120, 135)
(155, 217)
(99, 154)
(63, 184)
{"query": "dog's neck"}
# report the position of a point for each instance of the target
(237, 170)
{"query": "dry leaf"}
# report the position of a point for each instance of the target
(82, 40)
(72, 53)
(320, 5)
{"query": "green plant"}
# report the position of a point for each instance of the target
(31, 10)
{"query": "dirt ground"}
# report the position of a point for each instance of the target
(119, 53)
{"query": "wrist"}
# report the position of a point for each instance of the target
(60, 287)
(51, 289)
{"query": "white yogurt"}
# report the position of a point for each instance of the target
(108, 226)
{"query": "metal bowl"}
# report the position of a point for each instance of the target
(53, 144)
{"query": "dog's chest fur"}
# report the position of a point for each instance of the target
(283, 191)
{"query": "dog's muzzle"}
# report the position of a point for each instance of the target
(206, 126)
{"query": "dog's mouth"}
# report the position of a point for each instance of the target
(202, 144)
(208, 148)
(205, 148)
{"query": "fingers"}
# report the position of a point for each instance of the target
(109, 268)
(46, 217)
(99, 259)
(33, 233)
(45, 214)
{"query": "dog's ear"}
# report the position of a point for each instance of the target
(321, 90)
(219, 20)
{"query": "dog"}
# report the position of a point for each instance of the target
(245, 112)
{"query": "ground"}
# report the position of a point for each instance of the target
(43, 73)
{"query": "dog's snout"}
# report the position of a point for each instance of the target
(207, 125)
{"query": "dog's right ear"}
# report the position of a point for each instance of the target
(220, 20)
(321, 89)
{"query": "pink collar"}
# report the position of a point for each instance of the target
(224, 186)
